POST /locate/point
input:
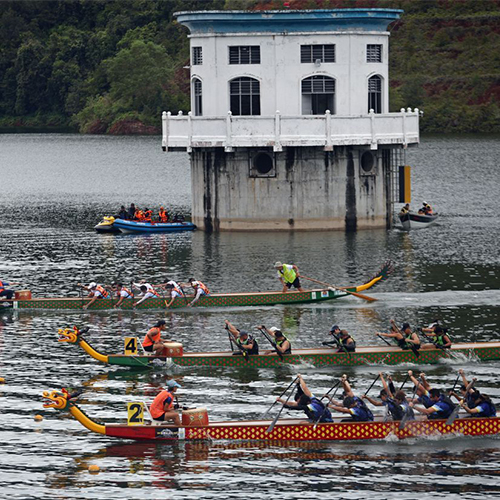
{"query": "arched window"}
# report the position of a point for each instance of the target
(375, 94)
(244, 95)
(197, 97)
(318, 95)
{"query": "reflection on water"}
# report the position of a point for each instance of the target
(55, 191)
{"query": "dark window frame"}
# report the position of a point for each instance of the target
(197, 56)
(322, 89)
(198, 96)
(244, 96)
(374, 53)
(244, 54)
(325, 53)
(375, 94)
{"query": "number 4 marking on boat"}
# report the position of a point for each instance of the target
(130, 346)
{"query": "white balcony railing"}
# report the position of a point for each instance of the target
(185, 132)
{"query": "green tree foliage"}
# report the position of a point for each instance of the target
(93, 64)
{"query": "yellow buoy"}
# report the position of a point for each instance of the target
(2, 380)
(38, 418)
(94, 468)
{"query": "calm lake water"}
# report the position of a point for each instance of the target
(55, 188)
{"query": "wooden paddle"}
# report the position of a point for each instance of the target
(282, 394)
(360, 295)
(454, 414)
(273, 423)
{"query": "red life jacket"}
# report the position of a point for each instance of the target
(2, 286)
(203, 287)
(163, 216)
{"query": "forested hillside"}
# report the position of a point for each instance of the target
(114, 66)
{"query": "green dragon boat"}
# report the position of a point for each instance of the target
(484, 351)
(212, 300)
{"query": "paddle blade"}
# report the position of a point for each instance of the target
(403, 421)
(273, 423)
(451, 419)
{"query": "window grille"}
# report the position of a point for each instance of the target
(374, 53)
(313, 53)
(197, 55)
(198, 100)
(375, 94)
(244, 54)
(244, 96)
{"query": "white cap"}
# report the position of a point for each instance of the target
(278, 265)
(92, 285)
(273, 329)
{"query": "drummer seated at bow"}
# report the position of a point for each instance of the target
(395, 401)
(342, 340)
(305, 401)
(438, 336)
(153, 341)
(243, 340)
(351, 404)
(147, 292)
(199, 288)
(122, 293)
(289, 276)
(163, 407)
(95, 292)
(280, 343)
(405, 338)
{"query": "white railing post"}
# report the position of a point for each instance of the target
(373, 144)
(277, 132)
(328, 131)
(404, 126)
(190, 134)
(228, 146)
(164, 125)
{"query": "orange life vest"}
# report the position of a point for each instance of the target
(2, 286)
(203, 287)
(104, 293)
(157, 408)
(123, 289)
(163, 216)
(153, 332)
(147, 215)
(139, 215)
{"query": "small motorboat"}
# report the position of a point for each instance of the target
(410, 220)
(132, 226)
(107, 226)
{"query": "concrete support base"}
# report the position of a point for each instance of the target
(301, 189)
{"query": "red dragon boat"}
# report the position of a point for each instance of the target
(196, 426)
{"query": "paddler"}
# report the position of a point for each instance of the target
(405, 338)
(173, 290)
(147, 292)
(243, 339)
(342, 339)
(439, 337)
(283, 345)
(199, 288)
(163, 408)
(152, 341)
(395, 401)
(483, 407)
(289, 276)
(441, 406)
(351, 404)
(6, 294)
(122, 293)
(305, 401)
(95, 292)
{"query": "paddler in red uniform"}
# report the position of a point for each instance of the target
(163, 408)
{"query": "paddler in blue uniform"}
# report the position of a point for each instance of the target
(442, 406)
(483, 407)
(305, 401)
(351, 404)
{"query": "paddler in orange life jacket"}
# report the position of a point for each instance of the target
(139, 215)
(148, 214)
(147, 292)
(289, 276)
(163, 408)
(122, 293)
(173, 290)
(162, 215)
(199, 288)
(152, 341)
(95, 292)
(4, 293)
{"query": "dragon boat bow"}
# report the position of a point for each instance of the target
(485, 351)
(244, 299)
(284, 430)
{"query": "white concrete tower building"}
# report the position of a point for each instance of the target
(290, 126)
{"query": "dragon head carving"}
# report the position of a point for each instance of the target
(71, 335)
(59, 400)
